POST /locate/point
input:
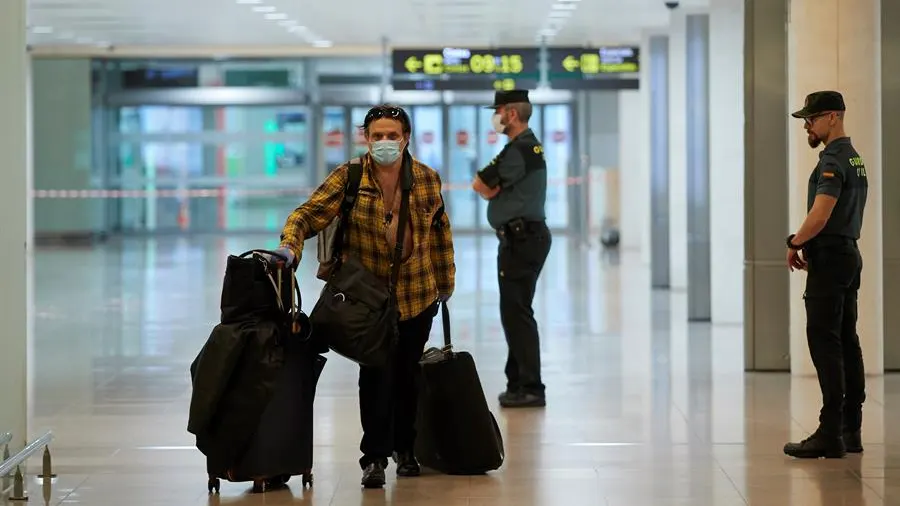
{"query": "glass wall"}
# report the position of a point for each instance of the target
(243, 168)
(211, 168)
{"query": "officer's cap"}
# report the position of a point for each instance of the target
(820, 102)
(502, 98)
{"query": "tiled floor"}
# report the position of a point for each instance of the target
(643, 408)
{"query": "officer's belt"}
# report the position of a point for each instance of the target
(519, 226)
(824, 241)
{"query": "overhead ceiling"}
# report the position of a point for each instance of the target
(341, 23)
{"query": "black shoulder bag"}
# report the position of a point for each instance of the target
(357, 314)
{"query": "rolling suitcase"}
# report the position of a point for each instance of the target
(457, 433)
(280, 443)
(283, 445)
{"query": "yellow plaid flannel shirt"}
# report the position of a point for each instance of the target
(430, 270)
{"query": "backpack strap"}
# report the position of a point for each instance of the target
(351, 190)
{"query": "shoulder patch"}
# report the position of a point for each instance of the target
(828, 174)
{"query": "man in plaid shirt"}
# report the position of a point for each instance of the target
(388, 397)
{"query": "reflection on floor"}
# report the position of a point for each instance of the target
(643, 408)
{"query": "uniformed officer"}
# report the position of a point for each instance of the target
(515, 183)
(825, 246)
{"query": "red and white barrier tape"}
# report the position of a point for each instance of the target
(231, 192)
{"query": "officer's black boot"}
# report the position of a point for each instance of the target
(818, 445)
(853, 442)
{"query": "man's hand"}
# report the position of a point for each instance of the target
(795, 260)
(484, 190)
(287, 261)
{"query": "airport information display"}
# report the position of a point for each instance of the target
(465, 69)
(585, 68)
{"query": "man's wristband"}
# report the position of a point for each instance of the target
(790, 242)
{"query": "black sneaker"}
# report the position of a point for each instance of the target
(817, 446)
(522, 400)
(373, 475)
(853, 442)
(407, 465)
(504, 396)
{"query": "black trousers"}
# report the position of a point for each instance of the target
(832, 286)
(388, 396)
(523, 250)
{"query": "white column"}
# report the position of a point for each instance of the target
(836, 45)
(634, 211)
(678, 150)
(15, 200)
(726, 160)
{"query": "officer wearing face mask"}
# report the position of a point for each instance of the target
(388, 396)
(515, 185)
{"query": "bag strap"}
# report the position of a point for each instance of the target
(351, 190)
(403, 221)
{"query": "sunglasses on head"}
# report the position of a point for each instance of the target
(389, 112)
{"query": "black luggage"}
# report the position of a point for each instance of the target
(457, 433)
(283, 445)
(255, 379)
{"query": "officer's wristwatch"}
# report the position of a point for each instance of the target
(790, 243)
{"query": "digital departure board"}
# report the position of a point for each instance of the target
(569, 65)
(469, 69)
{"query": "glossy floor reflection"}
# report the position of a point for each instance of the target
(643, 408)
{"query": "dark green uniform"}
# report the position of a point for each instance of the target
(841, 173)
(517, 214)
(521, 171)
(832, 285)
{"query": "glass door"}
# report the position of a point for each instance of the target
(427, 143)
(357, 135)
(335, 139)
(462, 133)
(557, 141)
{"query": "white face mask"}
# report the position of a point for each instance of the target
(385, 152)
(497, 123)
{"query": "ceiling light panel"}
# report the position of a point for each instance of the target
(342, 22)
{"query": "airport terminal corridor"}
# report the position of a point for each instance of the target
(681, 153)
(643, 408)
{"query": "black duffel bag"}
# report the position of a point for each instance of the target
(357, 314)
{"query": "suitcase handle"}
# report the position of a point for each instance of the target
(264, 251)
(445, 317)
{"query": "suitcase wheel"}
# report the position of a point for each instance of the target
(259, 486)
(307, 479)
(213, 485)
